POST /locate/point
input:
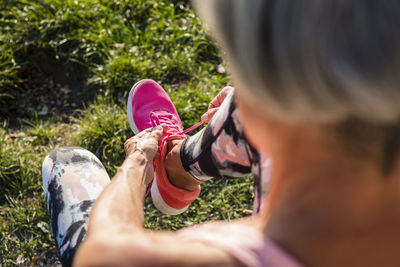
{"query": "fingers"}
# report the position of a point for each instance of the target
(217, 101)
(209, 115)
(144, 137)
(144, 132)
(128, 142)
(215, 104)
(157, 132)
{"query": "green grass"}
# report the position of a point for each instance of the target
(106, 46)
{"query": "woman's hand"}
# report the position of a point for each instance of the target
(215, 104)
(144, 144)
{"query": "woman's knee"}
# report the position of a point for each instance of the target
(64, 156)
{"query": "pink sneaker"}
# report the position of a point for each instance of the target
(148, 106)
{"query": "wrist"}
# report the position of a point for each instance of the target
(134, 169)
(137, 158)
(131, 176)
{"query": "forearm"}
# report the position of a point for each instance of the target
(121, 203)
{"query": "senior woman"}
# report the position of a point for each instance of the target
(317, 94)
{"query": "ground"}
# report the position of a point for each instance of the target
(65, 70)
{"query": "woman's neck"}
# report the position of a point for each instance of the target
(329, 209)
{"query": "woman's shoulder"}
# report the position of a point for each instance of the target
(241, 240)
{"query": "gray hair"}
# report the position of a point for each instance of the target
(313, 60)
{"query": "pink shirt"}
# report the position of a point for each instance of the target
(243, 243)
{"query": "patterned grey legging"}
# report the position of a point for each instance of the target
(73, 177)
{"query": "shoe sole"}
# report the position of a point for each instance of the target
(156, 197)
(159, 202)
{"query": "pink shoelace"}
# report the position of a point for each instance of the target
(164, 117)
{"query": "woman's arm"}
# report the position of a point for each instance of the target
(116, 234)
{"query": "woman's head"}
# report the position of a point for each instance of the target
(333, 62)
(313, 60)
